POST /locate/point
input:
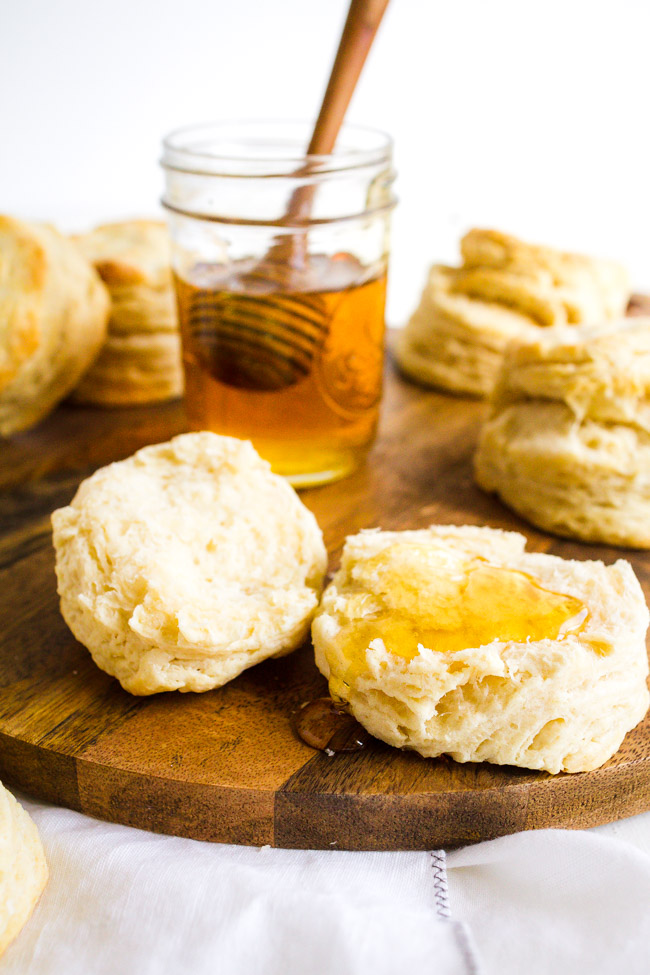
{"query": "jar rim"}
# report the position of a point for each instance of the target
(263, 148)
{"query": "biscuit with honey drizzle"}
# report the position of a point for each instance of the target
(456, 641)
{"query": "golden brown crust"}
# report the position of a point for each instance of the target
(129, 252)
(22, 275)
(53, 316)
(141, 360)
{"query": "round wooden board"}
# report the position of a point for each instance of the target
(225, 765)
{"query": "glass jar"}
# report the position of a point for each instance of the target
(280, 264)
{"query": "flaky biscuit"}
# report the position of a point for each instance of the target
(567, 443)
(453, 598)
(537, 287)
(138, 310)
(129, 253)
(593, 288)
(599, 372)
(455, 341)
(134, 260)
(580, 480)
(53, 317)
(23, 870)
(144, 368)
(187, 563)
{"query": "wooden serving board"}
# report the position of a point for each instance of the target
(226, 765)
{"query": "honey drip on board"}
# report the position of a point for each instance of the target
(326, 725)
(465, 603)
(294, 365)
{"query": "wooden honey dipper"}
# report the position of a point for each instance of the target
(272, 337)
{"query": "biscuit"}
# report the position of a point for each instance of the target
(187, 563)
(23, 870)
(53, 316)
(456, 641)
(505, 289)
(591, 288)
(454, 341)
(141, 359)
(567, 442)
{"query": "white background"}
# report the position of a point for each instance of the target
(529, 116)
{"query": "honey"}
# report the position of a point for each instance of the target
(464, 603)
(293, 364)
(325, 725)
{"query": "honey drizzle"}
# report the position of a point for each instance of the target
(468, 604)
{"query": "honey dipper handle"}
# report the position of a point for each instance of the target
(364, 17)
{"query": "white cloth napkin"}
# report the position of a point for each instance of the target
(122, 901)
(556, 901)
(126, 902)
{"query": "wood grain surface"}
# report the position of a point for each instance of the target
(225, 765)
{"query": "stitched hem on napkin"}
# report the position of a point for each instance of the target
(463, 935)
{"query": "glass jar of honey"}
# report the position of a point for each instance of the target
(280, 264)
